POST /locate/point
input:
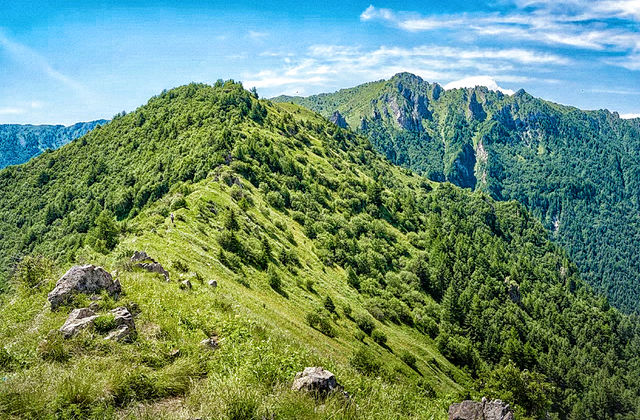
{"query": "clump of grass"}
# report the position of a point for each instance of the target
(365, 362)
(104, 323)
(53, 348)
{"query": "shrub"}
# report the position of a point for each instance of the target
(319, 320)
(379, 337)
(274, 279)
(365, 323)
(33, 270)
(275, 199)
(409, 359)
(359, 335)
(365, 362)
(346, 309)
(329, 305)
(178, 203)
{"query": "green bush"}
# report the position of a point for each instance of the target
(365, 322)
(365, 362)
(321, 321)
(379, 337)
(409, 359)
(33, 270)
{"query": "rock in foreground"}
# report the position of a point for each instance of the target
(484, 410)
(82, 279)
(78, 319)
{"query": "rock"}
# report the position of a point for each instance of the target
(174, 354)
(316, 380)
(149, 264)
(78, 320)
(125, 326)
(338, 119)
(213, 283)
(484, 410)
(82, 279)
(186, 284)
(210, 343)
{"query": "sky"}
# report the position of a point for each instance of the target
(67, 61)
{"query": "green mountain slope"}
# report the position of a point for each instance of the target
(576, 171)
(415, 294)
(19, 143)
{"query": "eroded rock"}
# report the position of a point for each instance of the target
(316, 380)
(125, 326)
(147, 263)
(87, 279)
(484, 410)
(78, 320)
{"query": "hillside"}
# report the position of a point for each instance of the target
(576, 171)
(415, 294)
(19, 143)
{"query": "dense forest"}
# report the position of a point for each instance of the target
(577, 171)
(415, 293)
(19, 143)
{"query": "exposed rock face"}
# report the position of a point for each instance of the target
(338, 120)
(149, 264)
(125, 326)
(484, 410)
(78, 320)
(87, 279)
(316, 380)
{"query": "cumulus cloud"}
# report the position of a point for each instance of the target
(473, 81)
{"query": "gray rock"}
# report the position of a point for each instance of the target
(125, 326)
(484, 410)
(140, 256)
(186, 284)
(78, 320)
(87, 279)
(316, 380)
(213, 283)
(149, 264)
(338, 119)
(210, 343)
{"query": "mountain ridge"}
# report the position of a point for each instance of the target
(550, 157)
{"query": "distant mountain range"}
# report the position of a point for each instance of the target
(577, 171)
(19, 143)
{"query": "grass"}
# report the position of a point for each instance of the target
(259, 315)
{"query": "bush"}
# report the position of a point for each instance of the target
(274, 279)
(379, 337)
(329, 305)
(346, 309)
(33, 270)
(365, 362)
(359, 335)
(409, 359)
(365, 323)
(319, 320)
(275, 199)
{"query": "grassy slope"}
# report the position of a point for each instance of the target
(262, 333)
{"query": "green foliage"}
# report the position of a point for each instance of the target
(33, 271)
(104, 323)
(365, 322)
(365, 362)
(329, 305)
(321, 321)
(379, 337)
(409, 359)
(104, 236)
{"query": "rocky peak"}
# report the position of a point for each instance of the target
(338, 119)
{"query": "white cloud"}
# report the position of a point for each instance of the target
(629, 116)
(473, 81)
(257, 35)
(581, 24)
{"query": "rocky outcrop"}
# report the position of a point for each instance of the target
(316, 380)
(484, 410)
(338, 119)
(87, 279)
(125, 326)
(78, 320)
(147, 263)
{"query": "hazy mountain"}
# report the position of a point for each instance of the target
(19, 143)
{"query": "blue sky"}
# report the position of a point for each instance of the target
(67, 61)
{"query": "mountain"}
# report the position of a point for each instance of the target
(577, 171)
(19, 143)
(414, 293)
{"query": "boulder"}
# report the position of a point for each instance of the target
(185, 284)
(213, 283)
(125, 326)
(316, 380)
(87, 279)
(484, 410)
(78, 320)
